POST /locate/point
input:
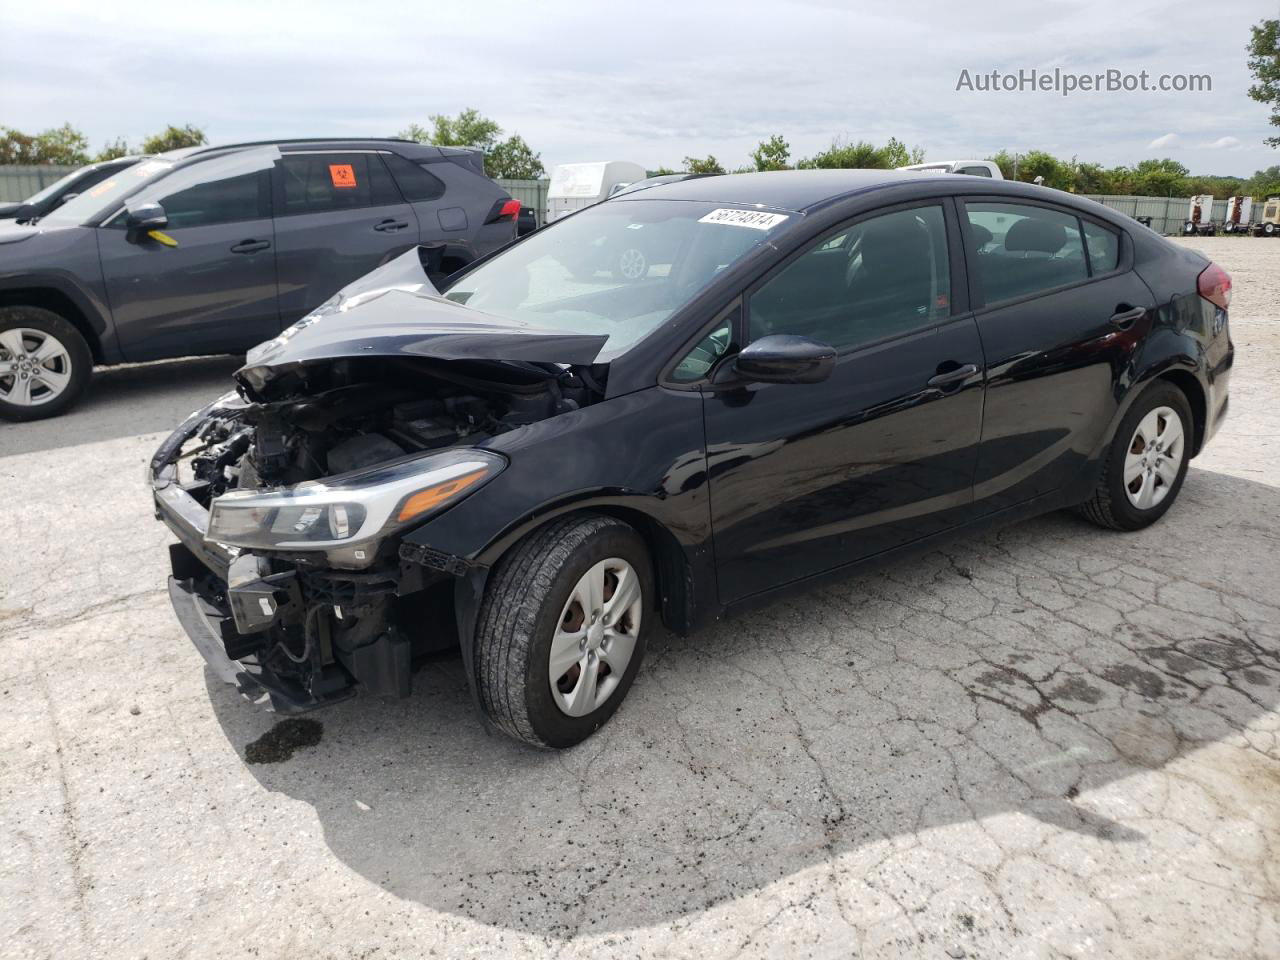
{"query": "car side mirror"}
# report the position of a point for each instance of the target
(783, 358)
(145, 217)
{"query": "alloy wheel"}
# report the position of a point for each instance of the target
(632, 263)
(595, 637)
(35, 367)
(1154, 457)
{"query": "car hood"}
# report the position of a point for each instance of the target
(13, 232)
(411, 324)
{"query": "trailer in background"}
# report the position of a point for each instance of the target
(1200, 217)
(1268, 224)
(1239, 215)
(578, 185)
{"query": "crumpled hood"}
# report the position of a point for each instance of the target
(396, 312)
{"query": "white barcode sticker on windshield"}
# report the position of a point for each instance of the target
(755, 219)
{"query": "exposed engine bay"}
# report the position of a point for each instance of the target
(306, 623)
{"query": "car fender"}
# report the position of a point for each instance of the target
(90, 303)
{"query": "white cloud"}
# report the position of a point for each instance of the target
(683, 79)
(1223, 143)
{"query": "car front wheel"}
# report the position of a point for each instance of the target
(1146, 462)
(45, 364)
(561, 630)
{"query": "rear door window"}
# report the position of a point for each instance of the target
(326, 182)
(1104, 247)
(415, 182)
(1021, 249)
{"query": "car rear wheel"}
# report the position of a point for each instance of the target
(561, 630)
(1146, 463)
(45, 364)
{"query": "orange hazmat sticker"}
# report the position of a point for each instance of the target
(342, 174)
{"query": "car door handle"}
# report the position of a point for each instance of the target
(948, 377)
(1127, 317)
(391, 225)
(251, 246)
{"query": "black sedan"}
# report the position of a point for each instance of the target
(816, 370)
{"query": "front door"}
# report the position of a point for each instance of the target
(338, 216)
(212, 288)
(806, 477)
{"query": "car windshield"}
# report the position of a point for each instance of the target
(54, 187)
(116, 187)
(618, 269)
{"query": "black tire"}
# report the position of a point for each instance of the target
(79, 356)
(518, 617)
(1188, 228)
(1109, 506)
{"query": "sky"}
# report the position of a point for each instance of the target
(651, 83)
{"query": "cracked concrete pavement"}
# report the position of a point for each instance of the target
(1050, 741)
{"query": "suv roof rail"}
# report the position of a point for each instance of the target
(267, 143)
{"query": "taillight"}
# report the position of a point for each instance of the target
(504, 211)
(1214, 284)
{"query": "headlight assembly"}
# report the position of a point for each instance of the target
(347, 515)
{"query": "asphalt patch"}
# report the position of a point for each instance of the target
(278, 743)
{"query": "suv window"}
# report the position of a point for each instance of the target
(323, 182)
(246, 197)
(1023, 249)
(887, 275)
(414, 182)
(1104, 247)
(975, 171)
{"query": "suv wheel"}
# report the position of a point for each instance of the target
(1146, 462)
(561, 630)
(45, 364)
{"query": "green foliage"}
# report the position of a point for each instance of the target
(64, 145)
(174, 138)
(772, 154)
(863, 155)
(1264, 65)
(515, 160)
(511, 158)
(708, 164)
(118, 147)
(661, 172)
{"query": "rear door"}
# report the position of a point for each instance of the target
(339, 214)
(1060, 311)
(212, 288)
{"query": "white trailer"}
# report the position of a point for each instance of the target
(578, 185)
(1200, 217)
(1239, 215)
(1268, 224)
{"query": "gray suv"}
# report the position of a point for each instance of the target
(214, 249)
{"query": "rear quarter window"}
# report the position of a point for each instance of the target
(1104, 247)
(415, 182)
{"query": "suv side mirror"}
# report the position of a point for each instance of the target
(145, 217)
(26, 212)
(783, 358)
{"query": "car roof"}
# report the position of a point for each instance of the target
(794, 190)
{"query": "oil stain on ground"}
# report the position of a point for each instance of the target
(278, 743)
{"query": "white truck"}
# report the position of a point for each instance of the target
(1239, 215)
(1200, 217)
(973, 168)
(578, 185)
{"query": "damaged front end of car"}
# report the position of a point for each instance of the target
(289, 496)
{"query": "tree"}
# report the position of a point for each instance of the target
(514, 160)
(897, 154)
(64, 145)
(1264, 64)
(843, 155)
(468, 129)
(1160, 178)
(709, 164)
(661, 172)
(116, 148)
(174, 138)
(772, 154)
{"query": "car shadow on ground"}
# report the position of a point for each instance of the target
(127, 401)
(1022, 672)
